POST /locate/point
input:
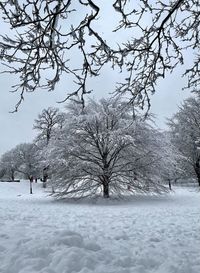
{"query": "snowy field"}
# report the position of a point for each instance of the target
(146, 235)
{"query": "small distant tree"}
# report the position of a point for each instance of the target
(20, 160)
(103, 148)
(26, 155)
(185, 133)
(170, 165)
(47, 122)
(50, 120)
(9, 164)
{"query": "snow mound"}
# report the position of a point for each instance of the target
(66, 252)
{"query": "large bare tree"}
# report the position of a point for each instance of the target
(47, 34)
(102, 149)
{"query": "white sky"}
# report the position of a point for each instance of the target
(17, 128)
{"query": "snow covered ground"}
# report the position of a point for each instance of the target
(145, 235)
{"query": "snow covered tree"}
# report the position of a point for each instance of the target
(2, 171)
(26, 155)
(46, 124)
(21, 159)
(9, 165)
(185, 131)
(46, 34)
(103, 148)
(170, 166)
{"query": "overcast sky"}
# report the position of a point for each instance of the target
(17, 128)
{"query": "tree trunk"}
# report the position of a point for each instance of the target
(197, 171)
(105, 177)
(198, 178)
(106, 188)
(12, 176)
(170, 185)
(31, 188)
(44, 185)
(175, 180)
(45, 176)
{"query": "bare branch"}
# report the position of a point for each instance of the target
(46, 37)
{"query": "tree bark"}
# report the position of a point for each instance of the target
(45, 176)
(44, 184)
(170, 185)
(106, 190)
(12, 176)
(31, 188)
(198, 178)
(197, 171)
